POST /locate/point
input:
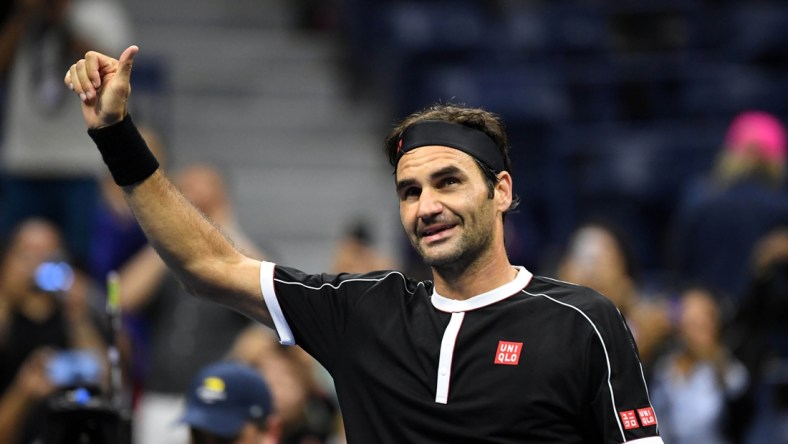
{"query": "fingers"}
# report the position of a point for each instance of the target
(87, 75)
(92, 68)
(126, 60)
(128, 54)
(79, 81)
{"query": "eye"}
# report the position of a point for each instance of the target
(450, 181)
(409, 192)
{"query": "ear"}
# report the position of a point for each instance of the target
(503, 191)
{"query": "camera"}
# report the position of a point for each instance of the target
(74, 368)
(53, 277)
(82, 415)
(78, 411)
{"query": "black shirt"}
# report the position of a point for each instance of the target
(535, 360)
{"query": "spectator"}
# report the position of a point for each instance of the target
(693, 386)
(355, 252)
(304, 398)
(599, 257)
(49, 171)
(722, 217)
(183, 333)
(759, 337)
(758, 327)
(230, 403)
(34, 317)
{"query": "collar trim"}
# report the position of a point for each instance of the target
(495, 295)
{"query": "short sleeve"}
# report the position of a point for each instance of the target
(621, 405)
(312, 310)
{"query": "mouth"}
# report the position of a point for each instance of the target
(436, 232)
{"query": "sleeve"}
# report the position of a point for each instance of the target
(622, 406)
(312, 310)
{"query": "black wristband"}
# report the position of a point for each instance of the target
(125, 152)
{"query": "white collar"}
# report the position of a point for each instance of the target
(482, 300)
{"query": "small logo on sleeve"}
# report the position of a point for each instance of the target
(629, 420)
(508, 353)
(647, 417)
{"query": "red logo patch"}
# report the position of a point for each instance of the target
(629, 420)
(508, 353)
(647, 417)
(399, 146)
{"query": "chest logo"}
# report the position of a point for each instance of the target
(508, 353)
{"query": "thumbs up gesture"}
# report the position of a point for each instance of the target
(102, 84)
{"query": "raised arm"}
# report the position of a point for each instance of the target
(196, 250)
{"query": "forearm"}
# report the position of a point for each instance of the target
(14, 405)
(191, 246)
(204, 260)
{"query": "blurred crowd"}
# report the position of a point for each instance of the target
(710, 328)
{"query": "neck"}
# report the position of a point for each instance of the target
(480, 276)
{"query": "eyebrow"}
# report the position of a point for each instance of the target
(450, 170)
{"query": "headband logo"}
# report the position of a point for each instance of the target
(399, 145)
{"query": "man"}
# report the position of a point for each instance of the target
(229, 403)
(484, 353)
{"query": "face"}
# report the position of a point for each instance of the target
(250, 434)
(287, 389)
(35, 242)
(595, 260)
(699, 321)
(203, 186)
(445, 206)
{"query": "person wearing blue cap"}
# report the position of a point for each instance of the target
(230, 403)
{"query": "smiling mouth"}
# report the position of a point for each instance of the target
(433, 231)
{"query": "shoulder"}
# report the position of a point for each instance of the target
(583, 305)
(570, 295)
(383, 280)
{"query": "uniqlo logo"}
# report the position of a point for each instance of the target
(508, 353)
(629, 419)
(647, 417)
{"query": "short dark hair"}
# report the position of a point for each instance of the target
(476, 118)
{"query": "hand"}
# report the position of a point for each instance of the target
(103, 85)
(32, 379)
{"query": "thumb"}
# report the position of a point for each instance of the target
(126, 60)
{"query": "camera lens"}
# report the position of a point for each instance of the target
(54, 276)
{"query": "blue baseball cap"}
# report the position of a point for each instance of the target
(224, 396)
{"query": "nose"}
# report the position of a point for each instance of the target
(429, 205)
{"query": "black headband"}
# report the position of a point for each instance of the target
(464, 138)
